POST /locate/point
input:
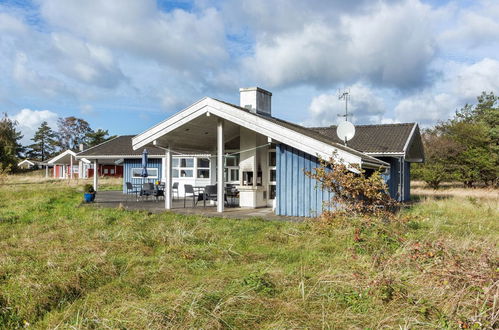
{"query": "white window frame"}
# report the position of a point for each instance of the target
(229, 178)
(149, 170)
(202, 168)
(179, 168)
(270, 169)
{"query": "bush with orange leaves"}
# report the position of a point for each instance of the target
(354, 192)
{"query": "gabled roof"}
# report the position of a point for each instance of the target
(26, 161)
(384, 139)
(62, 158)
(293, 135)
(118, 147)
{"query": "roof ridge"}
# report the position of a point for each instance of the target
(114, 138)
(367, 125)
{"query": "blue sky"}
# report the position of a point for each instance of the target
(125, 65)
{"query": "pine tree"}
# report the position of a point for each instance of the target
(44, 143)
(10, 148)
(97, 137)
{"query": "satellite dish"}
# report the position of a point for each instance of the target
(345, 131)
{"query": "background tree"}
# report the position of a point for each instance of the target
(44, 143)
(10, 148)
(72, 131)
(465, 147)
(94, 138)
(440, 153)
(474, 129)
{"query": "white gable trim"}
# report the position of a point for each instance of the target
(61, 155)
(409, 139)
(267, 128)
(26, 161)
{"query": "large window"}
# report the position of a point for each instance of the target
(231, 171)
(188, 167)
(152, 173)
(183, 167)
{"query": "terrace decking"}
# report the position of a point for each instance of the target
(115, 199)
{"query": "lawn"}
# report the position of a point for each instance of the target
(64, 264)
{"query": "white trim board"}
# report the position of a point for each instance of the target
(61, 155)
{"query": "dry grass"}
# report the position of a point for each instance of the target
(64, 265)
(456, 190)
(38, 177)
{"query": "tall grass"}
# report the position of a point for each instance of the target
(68, 265)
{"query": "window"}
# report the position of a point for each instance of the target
(231, 170)
(152, 173)
(183, 167)
(232, 160)
(272, 161)
(203, 168)
(106, 171)
(231, 175)
(272, 174)
(112, 171)
(204, 174)
(203, 162)
(272, 191)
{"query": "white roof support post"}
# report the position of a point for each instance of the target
(71, 168)
(220, 165)
(96, 174)
(168, 179)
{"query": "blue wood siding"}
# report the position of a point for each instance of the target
(137, 163)
(393, 178)
(407, 181)
(296, 193)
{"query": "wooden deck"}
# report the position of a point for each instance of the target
(115, 199)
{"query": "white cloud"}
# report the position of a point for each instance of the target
(180, 39)
(461, 84)
(32, 80)
(29, 121)
(472, 26)
(364, 106)
(88, 63)
(390, 45)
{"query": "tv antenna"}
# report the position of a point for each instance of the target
(345, 130)
(345, 95)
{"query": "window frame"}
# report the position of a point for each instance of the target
(148, 171)
(270, 169)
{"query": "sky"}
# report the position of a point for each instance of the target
(126, 65)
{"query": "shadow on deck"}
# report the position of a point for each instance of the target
(115, 199)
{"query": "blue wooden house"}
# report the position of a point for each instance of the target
(215, 142)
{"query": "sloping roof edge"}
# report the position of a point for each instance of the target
(294, 135)
(59, 156)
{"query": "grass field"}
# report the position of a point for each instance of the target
(65, 265)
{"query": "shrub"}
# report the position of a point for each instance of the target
(354, 192)
(88, 189)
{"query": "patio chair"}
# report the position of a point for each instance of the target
(175, 189)
(210, 194)
(147, 189)
(130, 189)
(158, 192)
(188, 189)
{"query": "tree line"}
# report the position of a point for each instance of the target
(464, 148)
(71, 132)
